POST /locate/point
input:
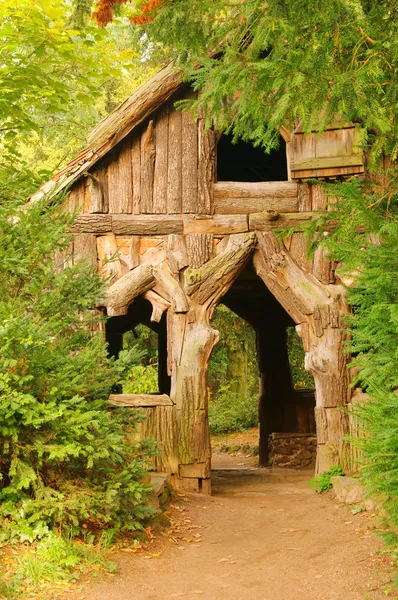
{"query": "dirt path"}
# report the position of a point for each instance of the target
(261, 536)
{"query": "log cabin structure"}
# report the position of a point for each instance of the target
(179, 219)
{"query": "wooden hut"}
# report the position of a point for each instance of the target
(181, 220)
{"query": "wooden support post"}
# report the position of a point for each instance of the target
(317, 310)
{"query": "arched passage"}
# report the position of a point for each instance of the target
(281, 409)
(190, 299)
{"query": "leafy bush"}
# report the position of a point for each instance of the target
(65, 459)
(322, 483)
(229, 411)
(141, 379)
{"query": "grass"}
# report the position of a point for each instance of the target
(48, 567)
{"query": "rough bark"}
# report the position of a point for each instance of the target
(317, 310)
(148, 154)
(121, 294)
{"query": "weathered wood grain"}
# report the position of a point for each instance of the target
(189, 141)
(199, 249)
(206, 168)
(148, 154)
(304, 197)
(85, 248)
(96, 192)
(93, 223)
(174, 170)
(146, 225)
(268, 221)
(161, 161)
(176, 253)
(136, 172)
(140, 400)
(216, 224)
(108, 256)
(214, 278)
(134, 252)
(241, 197)
(120, 192)
(120, 294)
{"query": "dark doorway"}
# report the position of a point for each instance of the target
(241, 161)
(121, 333)
(284, 400)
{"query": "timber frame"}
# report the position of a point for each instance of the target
(160, 228)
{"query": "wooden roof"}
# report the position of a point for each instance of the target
(116, 126)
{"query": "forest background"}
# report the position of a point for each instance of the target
(59, 74)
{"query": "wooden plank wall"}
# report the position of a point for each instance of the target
(335, 152)
(166, 166)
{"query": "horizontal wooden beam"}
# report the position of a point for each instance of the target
(270, 221)
(93, 223)
(189, 224)
(146, 225)
(235, 197)
(140, 400)
(328, 162)
(217, 224)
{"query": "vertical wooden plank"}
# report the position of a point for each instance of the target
(119, 180)
(75, 201)
(199, 249)
(96, 190)
(108, 256)
(148, 153)
(136, 173)
(161, 162)
(174, 174)
(189, 163)
(319, 199)
(85, 248)
(206, 168)
(304, 197)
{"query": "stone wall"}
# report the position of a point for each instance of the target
(294, 450)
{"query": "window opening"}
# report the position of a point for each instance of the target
(143, 375)
(242, 161)
(144, 345)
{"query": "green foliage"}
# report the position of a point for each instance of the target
(53, 561)
(366, 241)
(65, 456)
(322, 483)
(278, 62)
(301, 378)
(57, 82)
(142, 376)
(229, 411)
(233, 375)
(142, 379)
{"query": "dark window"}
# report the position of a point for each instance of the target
(243, 162)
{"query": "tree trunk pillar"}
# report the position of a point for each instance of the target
(190, 395)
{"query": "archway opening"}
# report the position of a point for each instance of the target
(264, 386)
(146, 341)
(241, 161)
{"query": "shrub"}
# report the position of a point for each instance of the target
(65, 459)
(229, 411)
